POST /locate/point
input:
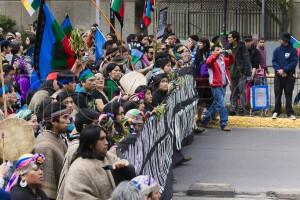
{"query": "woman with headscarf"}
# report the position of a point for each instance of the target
(26, 181)
(30, 117)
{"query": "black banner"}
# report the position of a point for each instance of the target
(162, 22)
(153, 151)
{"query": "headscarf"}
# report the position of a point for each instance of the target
(145, 184)
(25, 114)
(86, 74)
(23, 166)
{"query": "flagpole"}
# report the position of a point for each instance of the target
(154, 29)
(3, 87)
(106, 18)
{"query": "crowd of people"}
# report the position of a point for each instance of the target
(84, 120)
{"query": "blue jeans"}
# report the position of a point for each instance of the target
(218, 105)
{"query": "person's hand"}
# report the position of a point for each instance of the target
(113, 149)
(3, 169)
(280, 71)
(120, 164)
(125, 97)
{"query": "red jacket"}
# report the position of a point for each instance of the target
(218, 69)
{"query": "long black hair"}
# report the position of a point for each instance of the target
(88, 139)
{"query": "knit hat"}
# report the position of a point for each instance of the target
(25, 163)
(135, 116)
(286, 37)
(145, 184)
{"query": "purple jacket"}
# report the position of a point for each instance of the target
(24, 84)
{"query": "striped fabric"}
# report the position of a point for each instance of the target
(31, 5)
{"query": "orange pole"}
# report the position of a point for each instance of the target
(106, 19)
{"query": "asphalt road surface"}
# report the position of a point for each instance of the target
(252, 160)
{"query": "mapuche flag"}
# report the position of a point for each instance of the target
(117, 7)
(31, 5)
(147, 16)
(67, 26)
(296, 44)
(52, 50)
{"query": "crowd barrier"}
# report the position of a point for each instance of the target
(153, 151)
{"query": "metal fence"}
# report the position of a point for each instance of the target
(206, 18)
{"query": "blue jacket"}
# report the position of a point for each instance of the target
(285, 58)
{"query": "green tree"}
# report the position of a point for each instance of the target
(7, 23)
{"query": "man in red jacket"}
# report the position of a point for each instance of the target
(218, 68)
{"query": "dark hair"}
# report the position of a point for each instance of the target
(142, 88)
(41, 107)
(49, 109)
(85, 116)
(88, 138)
(215, 38)
(128, 105)
(113, 108)
(7, 69)
(130, 38)
(215, 46)
(194, 37)
(108, 44)
(15, 47)
(113, 37)
(48, 86)
(4, 43)
(206, 43)
(62, 96)
(235, 35)
(146, 48)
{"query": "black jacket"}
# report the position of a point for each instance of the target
(254, 57)
(242, 62)
(20, 193)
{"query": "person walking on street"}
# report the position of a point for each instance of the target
(284, 62)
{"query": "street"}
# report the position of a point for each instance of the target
(254, 161)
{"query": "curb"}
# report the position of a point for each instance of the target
(211, 189)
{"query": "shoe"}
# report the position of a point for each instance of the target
(292, 117)
(232, 113)
(226, 128)
(186, 159)
(275, 115)
(241, 112)
(198, 130)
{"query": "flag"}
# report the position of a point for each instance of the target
(117, 7)
(136, 55)
(296, 44)
(31, 5)
(53, 51)
(147, 16)
(67, 26)
(99, 42)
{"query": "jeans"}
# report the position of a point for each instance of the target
(285, 84)
(238, 93)
(218, 105)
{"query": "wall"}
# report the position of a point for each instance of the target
(81, 12)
